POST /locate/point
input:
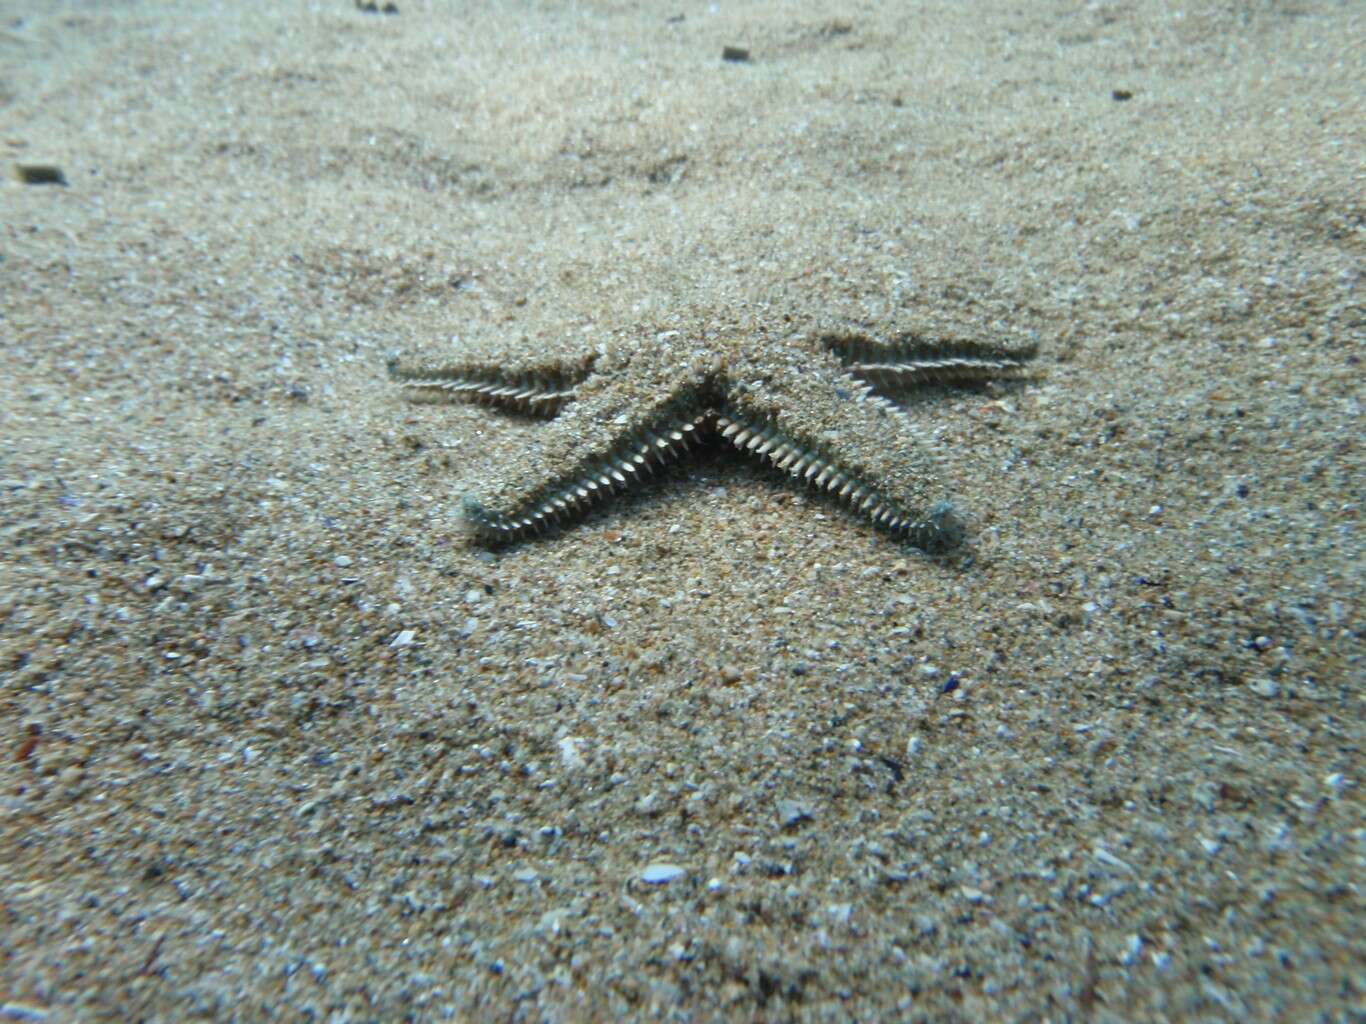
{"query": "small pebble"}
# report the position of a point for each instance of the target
(552, 921)
(1107, 858)
(973, 895)
(40, 174)
(1133, 948)
(11, 1010)
(1264, 687)
(648, 805)
(661, 873)
(793, 812)
(569, 753)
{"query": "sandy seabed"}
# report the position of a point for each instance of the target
(280, 741)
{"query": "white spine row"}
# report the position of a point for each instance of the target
(648, 451)
(819, 472)
(531, 397)
(933, 371)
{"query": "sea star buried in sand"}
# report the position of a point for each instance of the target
(813, 404)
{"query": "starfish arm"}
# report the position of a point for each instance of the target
(906, 361)
(823, 426)
(533, 387)
(601, 444)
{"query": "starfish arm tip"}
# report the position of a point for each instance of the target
(942, 530)
(479, 522)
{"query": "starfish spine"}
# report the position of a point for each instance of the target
(535, 393)
(592, 481)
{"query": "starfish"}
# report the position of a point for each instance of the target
(817, 405)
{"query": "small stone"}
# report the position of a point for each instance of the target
(569, 753)
(341, 561)
(793, 812)
(552, 921)
(661, 873)
(973, 895)
(648, 805)
(1264, 687)
(1107, 858)
(40, 174)
(1133, 948)
(730, 674)
(735, 54)
(23, 1011)
(403, 639)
